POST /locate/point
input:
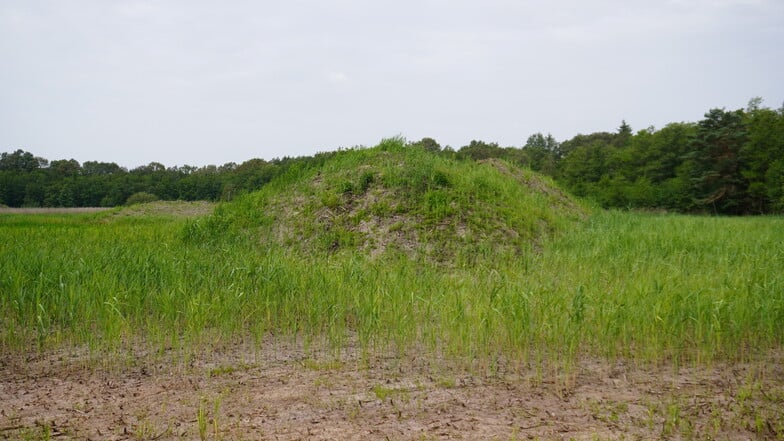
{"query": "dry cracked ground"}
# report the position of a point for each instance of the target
(279, 393)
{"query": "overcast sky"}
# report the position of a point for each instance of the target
(208, 82)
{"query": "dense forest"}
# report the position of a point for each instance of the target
(730, 162)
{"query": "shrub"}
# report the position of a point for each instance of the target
(141, 197)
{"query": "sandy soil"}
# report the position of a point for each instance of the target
(278, 393)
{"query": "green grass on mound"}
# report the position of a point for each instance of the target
(395, 199)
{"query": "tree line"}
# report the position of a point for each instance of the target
(730, 162)
(30, 181)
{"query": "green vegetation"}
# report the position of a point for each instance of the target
(301, 259)
(141, 198)
(399, 200)
(30, 181)
(730, 162)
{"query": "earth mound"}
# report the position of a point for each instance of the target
(394, 198)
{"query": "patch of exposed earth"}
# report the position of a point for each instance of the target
(278, 393)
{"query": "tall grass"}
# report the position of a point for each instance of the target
(648, 287)
(505, 269)
(674, 286)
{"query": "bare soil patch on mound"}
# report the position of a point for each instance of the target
(281, 394)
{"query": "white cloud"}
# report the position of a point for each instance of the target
(136, 9)
(155, 80)
(337, 77)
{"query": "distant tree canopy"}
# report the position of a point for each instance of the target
(20, 161)
(27, 181)
(730, 162)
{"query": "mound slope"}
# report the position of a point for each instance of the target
(399, 199)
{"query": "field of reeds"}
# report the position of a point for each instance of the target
(648, 287)
(394, 288)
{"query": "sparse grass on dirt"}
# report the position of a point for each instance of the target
(277, 392)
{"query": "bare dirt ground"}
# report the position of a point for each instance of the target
(278, 393)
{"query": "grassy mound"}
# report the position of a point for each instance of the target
(397, 199)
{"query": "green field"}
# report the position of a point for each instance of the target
(647, 287)
(391, 287)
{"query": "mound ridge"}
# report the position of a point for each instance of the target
(400, 199)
